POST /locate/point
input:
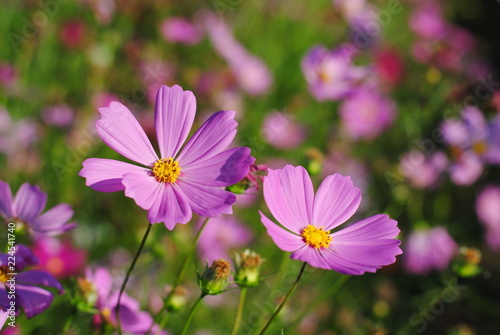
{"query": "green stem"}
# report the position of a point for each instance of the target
(178, 278)
(278, 310)
(117, 308)
(191, 313)
(239, 312)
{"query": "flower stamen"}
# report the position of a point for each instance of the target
(166, 170)
(316, 237)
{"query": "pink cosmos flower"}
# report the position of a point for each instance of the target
(423, 171)
(488, 211)
(282, 131)
(178, 182)
(59, 258)
(429, 249)
(220, 237)
(330, 75)
(58, 115)
(27, 206)
(177, 29)
(366, 114)
(308, 219)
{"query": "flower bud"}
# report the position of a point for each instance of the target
(177, 300)
(467, 262)
(247, 265)
(213, 281)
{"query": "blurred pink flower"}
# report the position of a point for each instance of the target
(282, 131)
(58, 115)
(389, 66)
(58, 257)
(72, 34)
(176, 29)
(366, 114)
(330, 75)
(8, 74)
(103, 9)
(428, 249)
(221, 236)
(427, 21)
(422, 170)
(306, 221)
(488, 211)
(16, 136)
(251, 74)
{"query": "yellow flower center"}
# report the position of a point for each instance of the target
(316, 237)
(3, 275)
(480, 147)
(166, 170)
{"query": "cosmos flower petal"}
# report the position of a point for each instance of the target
(103, 283)
(375, 227)
(39, 278)
(34, 300)
(121, 131)
(211, 138)
(334, 208)
(29, 202)
(224, 169)
(310, 255)
(144, 189)
(175, 110)
(5, 200)
(289, 195)
(208, 201)
(4, 300)
(105, 175)
(170, 207)
(284, 239)
(54, 221)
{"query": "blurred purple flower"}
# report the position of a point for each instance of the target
(15, 136)
(60, 258)
(366, 114)
(307, 219)
(8, 75)
(103, 9)
(29, 294)
(58, 115)
(181, 182)
(27, 207)
(428, 249)
(282, 132)
(220, 237)
(427, 21)
(389, 66)
(180, 30)
(73, 33)
(488, 211)
(422, 170)
(250, 72)
(355, 11)
(330, 74)
(132, 319)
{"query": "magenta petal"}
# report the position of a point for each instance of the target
(310, 255)
(335, 202)
(284, 239)
(29, 202)
(34, 300)
(208, 201)
(210, 139)
(103, 282)
(170, 207)
(5, 200)
(105, 175)
(289, 194)
(54, 221)
(174, 115)
(39, 278)
(226, 168)
(144, 189)
(120, 130)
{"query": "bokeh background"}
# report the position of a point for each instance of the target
(368, 89)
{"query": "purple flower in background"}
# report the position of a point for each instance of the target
(330, 74)
(179, 182)
(474, 141)
(28, 291)
(282, 132)
(250, 72)
(366, 114)
(427, 21)
(422, 170)
(220, 236)
(428, 249)
(15, 136)
(8, 75)
(308, 219)
(58, 115)
(488, 211)
(180, 30)
(27, 206)
(98, 286)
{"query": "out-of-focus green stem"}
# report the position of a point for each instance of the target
(191, 313)
(239, 312)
